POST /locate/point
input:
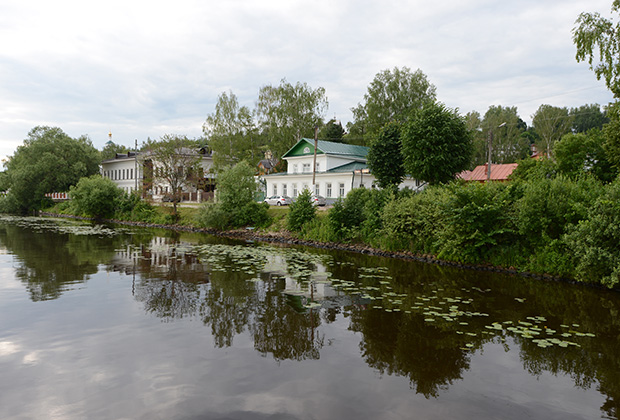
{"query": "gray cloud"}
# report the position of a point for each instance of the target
(144, 69)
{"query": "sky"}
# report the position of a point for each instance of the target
(141, 69)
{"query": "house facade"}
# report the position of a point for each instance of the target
(339, 169)
(135, 172)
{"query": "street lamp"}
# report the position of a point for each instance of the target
(490, 150)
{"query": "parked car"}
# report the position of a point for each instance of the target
(318, 200)
(278, 200)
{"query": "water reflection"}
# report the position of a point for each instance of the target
(420, 322)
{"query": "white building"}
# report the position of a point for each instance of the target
(339, 168)
(134, 172)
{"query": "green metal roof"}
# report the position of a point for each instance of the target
(349, 167)
(328, 148)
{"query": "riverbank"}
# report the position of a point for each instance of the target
(286, 237)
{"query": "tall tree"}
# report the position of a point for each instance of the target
(587, 117)
(578, 153)
(436, 144)
(176, 164)
(111, 149)
(48, 161)
(596, 36)
(505, 128)
(551, 123)
(391, 96)
(385, 157)
(332, 131)
(287, 112)
(611, 132)
(231, 133)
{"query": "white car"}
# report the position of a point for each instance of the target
(278, 200)
(318, 200)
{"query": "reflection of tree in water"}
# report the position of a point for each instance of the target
(176, 285)
(397, 344)
(282, 330)
(49, 261)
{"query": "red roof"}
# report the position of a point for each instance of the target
(499, 172)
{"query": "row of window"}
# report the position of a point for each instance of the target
(317, 189)
(119, 174)
(305, 167)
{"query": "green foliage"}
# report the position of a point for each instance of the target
(111, 149)
(594, 241)
(595, 36)
(551, 123)
(95, 196)
(391, 96)
(236, 205)
(581, 153)
(48, 161)
(346, 216)
(588, 117)
(232, 133)
(534, 169)
(385, 157)
(505, 128)
(332, 131)
(301, 211)
(436, 144)
(289, 112)
(611, 132)
(478, 221)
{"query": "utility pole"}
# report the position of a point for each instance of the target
(316, 145)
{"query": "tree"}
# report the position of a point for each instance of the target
(391, 96)
(505, 128)
(332, 131)
(231, 133)
(301, 211)
(580, 153)
(176, 164)
(236, 205)
(111, 149)
(385, 157)
(551, 123)
(436, 144)
(587, 117)
(611, 132)
(48, 161)
(287, 113)
(95, 196)
(597, 36)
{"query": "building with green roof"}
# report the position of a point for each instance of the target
(339, 168)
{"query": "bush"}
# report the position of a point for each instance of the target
(594, 241)
(236, 206)
(301, 211)
(95, 196)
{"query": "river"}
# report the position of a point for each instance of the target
(111, 322)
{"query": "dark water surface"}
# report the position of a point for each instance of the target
(117, 323)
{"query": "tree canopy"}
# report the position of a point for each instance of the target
(48, 161)
(232, 133)
(551, 123)
(436, 144)
(287, 112)
(391, 96)
(506, 129)
(594, 36)
(385, 157)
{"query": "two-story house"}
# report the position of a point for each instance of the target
(339, 168)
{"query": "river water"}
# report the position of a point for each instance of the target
(104, 322)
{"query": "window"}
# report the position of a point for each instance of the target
(328, 189)
(131, 173)
(275, 189)
(294, 190)
(306, 168)
(305, 187)
(284, 191)
(341, 191)
(318, 167)
(317, 189)
(295, 168)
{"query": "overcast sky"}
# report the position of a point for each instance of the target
(143, 69)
